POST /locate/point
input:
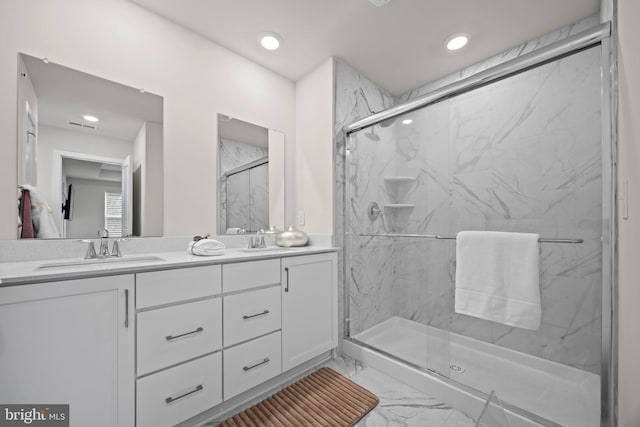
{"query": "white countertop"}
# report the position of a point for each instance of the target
(27, 272)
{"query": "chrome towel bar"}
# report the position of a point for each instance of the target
(439, 237)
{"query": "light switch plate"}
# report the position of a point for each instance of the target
(300, 217)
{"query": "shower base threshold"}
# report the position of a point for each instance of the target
(559, 393)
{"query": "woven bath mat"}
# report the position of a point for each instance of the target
(323, 398)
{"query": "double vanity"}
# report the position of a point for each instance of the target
(167, 338)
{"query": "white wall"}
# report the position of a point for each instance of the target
(52, 138)
(119, 41)
(153, 204)
(88, 206)
(629, 229)
(26, 95)
(138, 181)
(139, 147)
(315, 157)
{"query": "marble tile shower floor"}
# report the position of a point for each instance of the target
(562, 394)
(400, 405)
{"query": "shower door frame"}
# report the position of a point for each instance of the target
(605, 36)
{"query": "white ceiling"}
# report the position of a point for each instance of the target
(95, 171)
(400, 45)
(239, 131)
(65, 94)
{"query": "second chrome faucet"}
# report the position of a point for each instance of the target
(257, 242)
(103, 252)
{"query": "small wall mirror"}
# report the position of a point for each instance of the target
(90, 152)
(251, 177)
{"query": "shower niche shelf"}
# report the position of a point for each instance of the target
(397, 215)
(397, 187)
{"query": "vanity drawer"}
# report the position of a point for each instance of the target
(174, 334)
(168, 286)
(251, 314)
(246, 275)
(172, 396)
(251, 363)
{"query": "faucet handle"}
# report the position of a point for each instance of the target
(115, 248)
(91, 249)
(103, 233)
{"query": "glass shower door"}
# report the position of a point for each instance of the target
(398, 300)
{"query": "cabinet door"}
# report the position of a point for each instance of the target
(309, 307)
(67, 343)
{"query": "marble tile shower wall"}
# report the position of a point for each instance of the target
(523, 154)
(232, 155)
(357, 97)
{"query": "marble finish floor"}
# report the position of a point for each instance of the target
(400, 405)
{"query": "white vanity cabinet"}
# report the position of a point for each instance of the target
(252, 321)
(309, 307)
(156, 348)
(179, 343)
(70, 342)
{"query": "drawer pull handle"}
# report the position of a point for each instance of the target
(286, 270)
(126, 308)
(245, 317)
(248, 368)
(173, 337)
(173, 399)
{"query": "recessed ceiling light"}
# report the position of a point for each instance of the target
(90, 118)
(379, 3)
(457, 41)
(407, 121)
(269, 41)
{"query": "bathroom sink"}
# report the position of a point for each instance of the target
(83, 262)
(267, 249)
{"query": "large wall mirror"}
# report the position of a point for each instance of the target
(251, 177)
(90, 154)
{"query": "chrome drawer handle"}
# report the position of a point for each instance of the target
(248, 368)
(173, 399)
(173, 337)
(286, 288)
(126, 308)
(245, 317)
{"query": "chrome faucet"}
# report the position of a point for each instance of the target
(258, 241)
(103, 252)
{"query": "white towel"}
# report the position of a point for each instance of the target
(206, 247)
(498, 277)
